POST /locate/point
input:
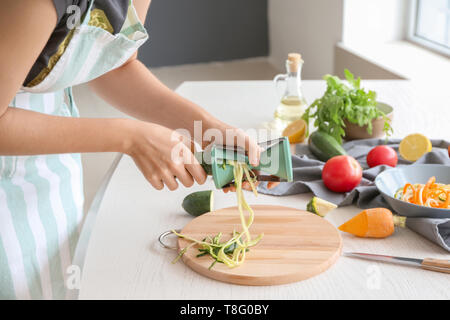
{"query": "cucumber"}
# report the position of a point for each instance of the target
(324, 147)
(399, 193)
(199, 202)
(319, 206)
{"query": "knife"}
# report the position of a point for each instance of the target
(260, 178)
(427, 263)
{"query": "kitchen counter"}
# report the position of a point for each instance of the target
(122, 257)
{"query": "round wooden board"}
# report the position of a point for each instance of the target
(296, 245)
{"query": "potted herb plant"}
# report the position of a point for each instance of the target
(348, 111)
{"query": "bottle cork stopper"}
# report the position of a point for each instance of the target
(294, 60)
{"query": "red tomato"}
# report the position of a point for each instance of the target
(341, 174)
(382, 155)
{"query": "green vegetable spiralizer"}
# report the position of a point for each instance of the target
(275, 160)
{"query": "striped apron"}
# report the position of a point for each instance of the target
(41, 197)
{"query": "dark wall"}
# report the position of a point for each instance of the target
(192, 31)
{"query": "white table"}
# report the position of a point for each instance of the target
(125, 261)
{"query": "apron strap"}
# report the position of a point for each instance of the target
(72, 106)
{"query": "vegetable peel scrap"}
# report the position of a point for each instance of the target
(231, 252)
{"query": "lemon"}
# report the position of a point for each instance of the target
(414, 146)
(295, 131)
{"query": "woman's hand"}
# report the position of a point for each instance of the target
(223, 134)
(237, 138)
(163, 156)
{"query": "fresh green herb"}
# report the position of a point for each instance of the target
(342, 102)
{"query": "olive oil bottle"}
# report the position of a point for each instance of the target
(292, 104)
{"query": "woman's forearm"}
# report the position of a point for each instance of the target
(24, 132)
(134, 90)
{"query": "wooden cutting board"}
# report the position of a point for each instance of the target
(296, 245)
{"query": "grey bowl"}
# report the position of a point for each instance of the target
(389, 181)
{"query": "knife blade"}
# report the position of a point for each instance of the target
(427, 263)
(260, 178)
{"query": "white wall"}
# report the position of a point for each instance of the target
(361, 66)
(371, 44)
(309, 27)
(371, 21)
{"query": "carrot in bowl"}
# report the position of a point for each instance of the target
(431, 194)
(373, 223)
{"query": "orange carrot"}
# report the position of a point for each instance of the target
(416, 195)
(408, 185)
(421, 194)
(428, 186)
(373, 223)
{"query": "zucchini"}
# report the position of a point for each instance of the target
(324, 147)
(319, 206)
(198, 203)
(399, 193)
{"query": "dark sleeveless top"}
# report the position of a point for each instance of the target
(114, 10)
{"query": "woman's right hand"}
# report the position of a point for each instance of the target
(163, 156)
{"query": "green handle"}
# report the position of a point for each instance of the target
(275, 161)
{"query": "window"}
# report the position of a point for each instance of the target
(430, 24)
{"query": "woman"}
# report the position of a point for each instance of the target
(47, 47)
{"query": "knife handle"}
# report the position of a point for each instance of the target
(436, 265)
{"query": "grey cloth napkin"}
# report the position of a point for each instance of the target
(308, 178)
